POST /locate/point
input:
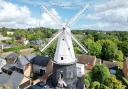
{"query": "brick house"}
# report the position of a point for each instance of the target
(87, 60)
(125, 68)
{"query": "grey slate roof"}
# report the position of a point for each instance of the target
(23, 60)
(36, 42)
(15, 80)
(3, 78)
(40, 60)
(12, 56)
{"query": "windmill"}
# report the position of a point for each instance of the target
(64, 67)
(64, 59)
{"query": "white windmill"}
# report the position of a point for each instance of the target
(64, 52)
(64, 67)
(64, 59)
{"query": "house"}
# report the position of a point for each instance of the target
(5, 45)
(41, 65)
(11, 58)
(113, 66)
(125, 68)
(38, 42)
(21, 40)
(2, 63)
(3, 39)
(87, 60)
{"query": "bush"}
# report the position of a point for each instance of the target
(95, 85)
(102, 86)
(87, 83)
(113, 83)
(125, 81)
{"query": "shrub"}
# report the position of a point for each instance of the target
(87, 83)
(95, 85)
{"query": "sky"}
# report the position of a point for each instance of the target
(99, 14)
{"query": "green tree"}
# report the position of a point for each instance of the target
(94, 49)
(123, 46)
(119, 56)
(100, 73)
(109, 49)
(113, 83)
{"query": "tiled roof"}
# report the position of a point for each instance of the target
(110, 64)
(86, 59)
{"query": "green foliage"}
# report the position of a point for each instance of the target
(50, 52)
(94, 48)
(100, 73)
(125, 81)
(87, 83)
(102, 86)
(89, 76)
(109, 49)
(113, 83)
(95, 85)
(119, 56)
(77, 50)
(17, 48)
(124, 47)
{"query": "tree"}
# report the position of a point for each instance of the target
(123, 46)
(50, 52)
(119, 56)
(109, 49)
(100, 73)
(94, 49)
(113, 83)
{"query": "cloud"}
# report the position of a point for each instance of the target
(110, 15)
(14, 16)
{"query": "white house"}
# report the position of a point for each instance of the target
(41, 65)
(2, 63)
(80, 69)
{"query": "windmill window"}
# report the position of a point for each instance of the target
(63, 39)
(62, 58)
(68, 48)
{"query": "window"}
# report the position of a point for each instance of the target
(42, 72)
(62, 58)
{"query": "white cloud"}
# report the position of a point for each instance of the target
(15, 16)
(111, 15)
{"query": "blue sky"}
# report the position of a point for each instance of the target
(100, 14)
